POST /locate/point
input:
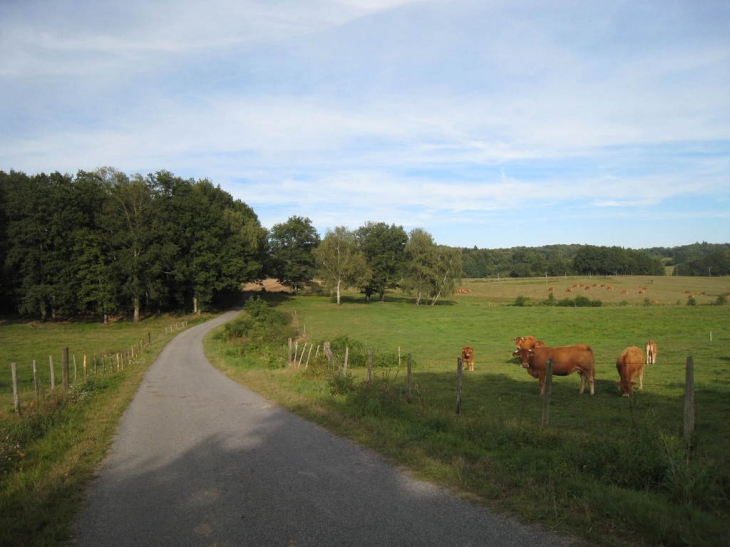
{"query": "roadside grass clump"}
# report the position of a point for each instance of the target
(262, 326)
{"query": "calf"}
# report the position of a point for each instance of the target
(630, 365)
(651, 352)
(467, 358)
(566, 360)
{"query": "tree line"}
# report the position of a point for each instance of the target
(108, 244)
(699, 259)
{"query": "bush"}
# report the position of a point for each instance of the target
(264, 326)
(721, 300)
(522, 301)
(580, 302)
(691, 301)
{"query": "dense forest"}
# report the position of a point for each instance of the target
(105, 243)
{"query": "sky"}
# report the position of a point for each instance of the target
(489, 124)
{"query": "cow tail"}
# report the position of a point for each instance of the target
(593, 363)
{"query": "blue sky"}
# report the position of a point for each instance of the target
(487, 123)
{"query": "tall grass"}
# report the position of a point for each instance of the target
(612, 470)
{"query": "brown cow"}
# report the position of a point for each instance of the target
(526, 342)
(630, 365)
(651, 352)
(467, 358)
(566, 360)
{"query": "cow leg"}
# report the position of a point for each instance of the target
(641, 379)
(582, 382)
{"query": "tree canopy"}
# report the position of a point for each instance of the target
(103, 242)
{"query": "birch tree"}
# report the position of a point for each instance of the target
(341, 262)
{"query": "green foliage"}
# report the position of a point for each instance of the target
(340, 384)
(291, 252)
(580, 302)
(522, 301)
(384, 249)
(691, 301)
(108, 244)
(721, 300)
(263, 325)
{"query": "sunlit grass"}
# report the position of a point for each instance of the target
(597, 450)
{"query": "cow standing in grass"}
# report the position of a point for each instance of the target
(467, 358)
(651, 352)
(526, 342)
(566, 360)
(630, 366)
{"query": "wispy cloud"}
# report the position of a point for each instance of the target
(462, 117)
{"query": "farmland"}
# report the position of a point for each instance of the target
(604, 465)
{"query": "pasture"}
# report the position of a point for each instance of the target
(609, 469)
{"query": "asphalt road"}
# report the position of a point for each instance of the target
(200, 460)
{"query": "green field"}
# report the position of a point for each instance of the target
(609, 469)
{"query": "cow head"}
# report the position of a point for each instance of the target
(525, 356)
(627, 387)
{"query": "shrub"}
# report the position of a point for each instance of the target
(691, 301)
(580, 302)
(522, 301)
(721, 300)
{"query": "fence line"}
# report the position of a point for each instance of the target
(117, 360)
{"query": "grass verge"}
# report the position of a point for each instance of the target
(49, 455)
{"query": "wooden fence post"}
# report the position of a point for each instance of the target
(306, 365)
(16, 391)
(347, 356)
(370, 368)
(689, 402)
(288, 355)
(36, 385)
(73, 358)
(304, 348)
(53, 374)
(547, 393)
(409, 369)
(459, 377)
(64, 369)
(85, 369)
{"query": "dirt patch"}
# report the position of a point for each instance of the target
(271, 285)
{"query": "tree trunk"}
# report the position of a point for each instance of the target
(135, 303)
(195, 304)
(338, 292)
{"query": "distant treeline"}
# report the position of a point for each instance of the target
(105, 243)
(557, 260)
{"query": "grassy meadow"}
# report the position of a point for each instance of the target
(608, 469)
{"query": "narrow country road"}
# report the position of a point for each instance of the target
(200, 460)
